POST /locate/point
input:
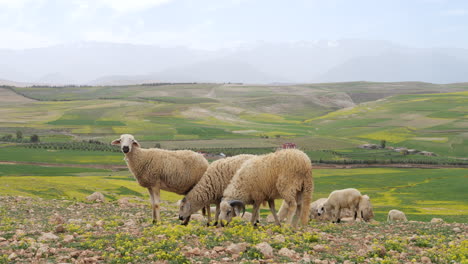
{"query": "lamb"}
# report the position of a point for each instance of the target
(285, 174)
(314, 206)
(156, 169)
(347, 198)
(396, 215)
(210, 188)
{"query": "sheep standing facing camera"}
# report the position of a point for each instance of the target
(209, 190)
(156, 169)
(285, 174)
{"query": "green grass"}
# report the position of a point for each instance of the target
(60, 156)
(421, 193)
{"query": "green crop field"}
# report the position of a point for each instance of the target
(421, 193)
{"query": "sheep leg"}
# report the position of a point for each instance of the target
(271, 203)
(154, 194)
(208, 214)
(299, 208)
(337, 214)
(218, 210)
(255, 213)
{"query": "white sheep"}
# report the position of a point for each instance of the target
(156, 169)
(285, 174)
(209, 190)
(396, 215)
(347, 198)
(314, 206)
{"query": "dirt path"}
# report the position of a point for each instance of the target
(316, 166)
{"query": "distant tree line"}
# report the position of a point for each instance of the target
(19, 138)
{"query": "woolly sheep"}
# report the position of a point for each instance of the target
(347, 198)
(210, 188)
(314, 206)
(156, 169)
(396, 215)
(285, 174)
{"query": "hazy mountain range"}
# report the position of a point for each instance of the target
(300, 62)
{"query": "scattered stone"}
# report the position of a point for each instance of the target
(347, 262)
(56, 219)
(68, 238)
(437, 220)
(218, 249)
(2, 239)
(226, 259)
(306, 258)
(279, 238)
(12, 256)
(99, 223)
(456, 230)
(96, 197)
(48, 237)
(20, 232)
(236, 248)
(59, 229)
(124, 202)
(319, 248)
(194, 252)
(265, 249)
(287, 252)
(426, 260)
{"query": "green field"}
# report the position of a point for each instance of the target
(421, 193)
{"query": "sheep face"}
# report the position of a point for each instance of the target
(184, 209)
(229, 209)
(126, 142)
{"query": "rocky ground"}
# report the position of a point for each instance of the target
(64, 231)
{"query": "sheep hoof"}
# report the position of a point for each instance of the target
(339, 220)
(154, 222)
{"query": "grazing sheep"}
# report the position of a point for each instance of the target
(209, 190)
(285, 174)
(365, 208)
(155, 169)
(314, 206)
(347, 198)
(396, 215)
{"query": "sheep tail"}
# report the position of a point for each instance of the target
(308, 190)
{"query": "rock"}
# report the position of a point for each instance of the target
(437, 220)
(124, 202)
(265, 249)
(99, 223)
(270, 218)
(347, 262)
(456, 230)
(226, 259)
(194, 252)
(319, 248)
(306, 258)
(287, 252)
(130, 222)
(68, 238)
(218, 249)
(279, 238)
(236, 248)
(2, 239)
(96, 197)
(59, 229)
(56, 219)
(197, 217)
(75, 254)
(426, 260)
(12, 256)
(43, 249)
(48, 237)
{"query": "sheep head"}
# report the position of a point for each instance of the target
(185, 210)
(126, 142)
(322, 208)
(365, 208)
(229, 209)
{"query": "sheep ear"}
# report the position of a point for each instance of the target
(116, 142)
(135, 143)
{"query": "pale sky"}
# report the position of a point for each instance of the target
(214, 24)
